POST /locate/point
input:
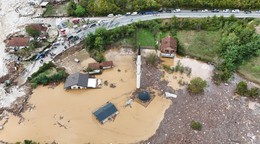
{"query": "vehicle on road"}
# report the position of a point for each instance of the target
(110, 15)
(168, 11)
(194, 10)
(235, 11)
(160, 10)
(257, 11)
(248, 12)
(75, 20)
(93, 25)
(84, 27)
(56, 44)
(177, 10)
(128, 14)
(79, 30)
(226, 11)
(134, 13)
(215, 11)
(205, 10)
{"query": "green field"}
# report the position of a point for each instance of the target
(251, 69)
(145, 38)
(203, 45)
(56, 10)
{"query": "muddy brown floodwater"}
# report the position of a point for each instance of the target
(66, 116)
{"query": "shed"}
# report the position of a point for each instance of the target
(44, 4)
(106, 112)
(107, 64)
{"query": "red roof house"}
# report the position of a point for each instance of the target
(168, 46)
(18, 42)
(38, 27)
(107, 64)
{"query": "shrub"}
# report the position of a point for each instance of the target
(197, 85)
(253, 92)
(196, 125)
(152, 59)
(241, 88)
(167, 68)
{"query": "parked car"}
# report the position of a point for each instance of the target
(84, 27)
(177, 10)
(79, 30)
(128, 14)
(205, 10)
(215, 11)
(257, 11)
(160, 10)
(168, 10)
(226, 10)
(75, 20)
(194, 10)
(110, 15)
(134, 13)
(93, 25)
(248, 12)
(56, 44)
(235, 11)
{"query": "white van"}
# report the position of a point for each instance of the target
(110, 15)
(134, 13)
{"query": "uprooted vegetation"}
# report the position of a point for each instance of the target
(47, 74)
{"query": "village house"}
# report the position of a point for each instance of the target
(40, 27)
(81, 81)
(168, 47)
(106, 112)
(17, 43)
(107, 64)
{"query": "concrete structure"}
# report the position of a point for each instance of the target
(106, 112)
(168, 47)
(138, 68)
(81, 81)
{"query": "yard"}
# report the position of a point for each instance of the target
(251, 69)
(56, 10)
(203, 45)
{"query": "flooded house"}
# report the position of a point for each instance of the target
(81, 81)
(94, 68)
(107, 64)
(106, 112)
(168, 47)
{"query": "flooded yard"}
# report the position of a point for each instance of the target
(66, 116)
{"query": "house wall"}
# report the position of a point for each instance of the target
(114, 114)
(77, 87)
(108, 67)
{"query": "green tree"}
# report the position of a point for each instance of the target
(241, 88)
(253, 92)
(196, 125)
(32, 32)
(80, 11)
(197, 85)
(71, 8)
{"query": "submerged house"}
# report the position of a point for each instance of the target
(106, 112)
(81, 81)
(107, 64)
(168, 47)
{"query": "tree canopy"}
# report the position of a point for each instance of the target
(197, 85)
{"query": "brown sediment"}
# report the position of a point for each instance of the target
(66, 116)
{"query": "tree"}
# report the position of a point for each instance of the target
(71, 8)
(32, 32)
(241, 88)
(80, 11)
(197, 85)
(196, 125)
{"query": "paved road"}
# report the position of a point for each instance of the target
(125, 20)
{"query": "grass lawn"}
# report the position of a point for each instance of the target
(56, 10)
(251, 69)
(145, 38)
(203, 44)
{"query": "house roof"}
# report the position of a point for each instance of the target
(105, 111)
(94, 66)
(18, 41)
(38, 27)
(107, 63)
(168, 42)
(79, 79)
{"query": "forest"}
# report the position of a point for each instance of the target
(105, 7)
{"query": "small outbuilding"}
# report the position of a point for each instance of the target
(168, 47)
(107, 64)
(106, 112)
(81, 81)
